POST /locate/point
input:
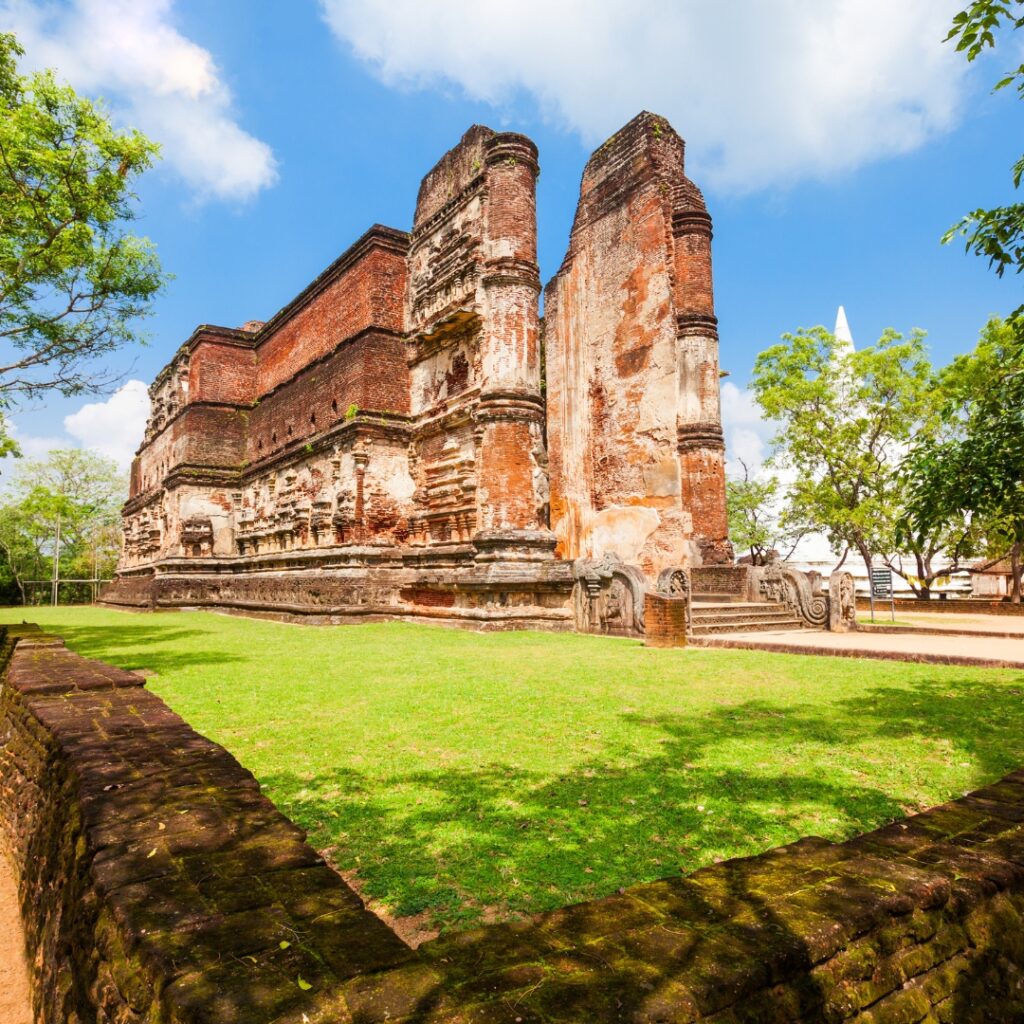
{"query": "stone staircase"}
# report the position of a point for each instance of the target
(722, 615)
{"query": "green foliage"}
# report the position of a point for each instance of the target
(755, 521)
(844, 417)
(351, 412)
(974, 469)
(997, 234)
(73, 281)
(468, 774)
(79, 490)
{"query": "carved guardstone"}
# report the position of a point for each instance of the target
(842, 603)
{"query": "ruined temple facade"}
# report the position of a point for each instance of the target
(407, 438)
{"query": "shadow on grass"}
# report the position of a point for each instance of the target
(560, 823)
(500, 840)
(143, 645)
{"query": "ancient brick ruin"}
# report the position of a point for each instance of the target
(407, 438)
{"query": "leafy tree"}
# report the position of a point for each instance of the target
(755, 518)
(22, 555)
(73, 280)
(997, 234)
(73, 490)
(845, 419)
(974, 470)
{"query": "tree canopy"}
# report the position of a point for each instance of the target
(74, 282)
(973, 472)
(80, 492)
(757, 525)
(998, 233)
(844, 416)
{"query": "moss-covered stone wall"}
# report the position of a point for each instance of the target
(159, 886)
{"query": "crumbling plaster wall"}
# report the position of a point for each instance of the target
(626, 373)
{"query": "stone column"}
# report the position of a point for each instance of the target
(511, 493)
(699, 422)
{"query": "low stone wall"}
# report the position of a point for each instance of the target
(958, 606)
(528, 595)
(158, 885)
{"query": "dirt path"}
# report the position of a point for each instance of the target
(15, 994)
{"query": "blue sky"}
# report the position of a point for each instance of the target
(834, 142)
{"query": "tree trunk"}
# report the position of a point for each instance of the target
(1015, 568)
(924, 574)
(865, 553)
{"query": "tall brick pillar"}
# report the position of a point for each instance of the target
(512, 490)
(633, 426)
(699, 422)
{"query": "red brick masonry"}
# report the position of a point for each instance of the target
(406, 430)
(157, 884)
(664, 620)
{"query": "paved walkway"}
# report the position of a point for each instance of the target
(996, 625)
(988, 651)
(15, 994)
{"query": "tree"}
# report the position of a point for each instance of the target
(73, 491)
(974, 471)
(845, 418)
(23, 558)
(73, 280)
(997, 234)
(755, 519)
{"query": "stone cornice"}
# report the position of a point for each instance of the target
(694, 436)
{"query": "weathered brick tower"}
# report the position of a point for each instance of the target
(634, 429)
(379, 447)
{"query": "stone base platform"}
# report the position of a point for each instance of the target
(488, 595)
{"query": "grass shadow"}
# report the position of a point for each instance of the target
(144, 645)
(499, 840)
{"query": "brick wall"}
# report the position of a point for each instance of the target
(222, 369)
(664, 621)
(369, 372)
(157, 884)
(363, 288)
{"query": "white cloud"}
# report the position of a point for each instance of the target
(747, 433)
(155, 78)
(115, 427)
(764, 93)
(748, 438)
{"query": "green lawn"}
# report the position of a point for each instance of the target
(467, 775)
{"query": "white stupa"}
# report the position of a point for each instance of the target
(842, 329)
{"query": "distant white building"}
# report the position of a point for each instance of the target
(992, 578)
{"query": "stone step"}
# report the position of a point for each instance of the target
(745, 611)
(760, 625)
(730, 602)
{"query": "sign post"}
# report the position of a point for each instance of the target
(881, 587)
